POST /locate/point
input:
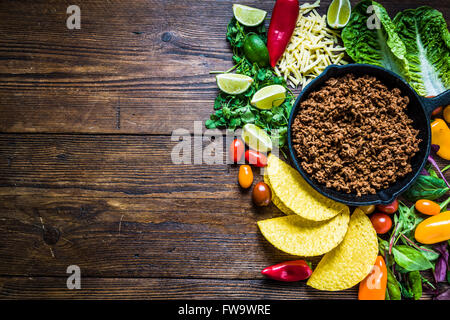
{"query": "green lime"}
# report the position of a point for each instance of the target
(256, 138)
(233, 83)
(268, 97)
(255, 50)
(248, 16)
(338, 13)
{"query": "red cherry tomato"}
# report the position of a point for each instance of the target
(436, 111)
(381, 222)
(256, 158)
(237, 149)
(261, 194)
(388, 208)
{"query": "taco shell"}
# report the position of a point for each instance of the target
(275, 200)
(297, 236)
(297, 195)
(351, 261)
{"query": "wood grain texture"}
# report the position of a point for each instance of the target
(119, 207)
(86, 175)
(152, 288)
(134, 67)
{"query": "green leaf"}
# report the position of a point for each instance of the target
(393, 286)
(378, 46)
(424, 32)
(432, 172)
(426, 187)
(261, 75)
(210, 124)
(406, 292)
(414, 283)
(429, 253)
(248, 117)
(226, 112)
(410, 259)
(408, 219)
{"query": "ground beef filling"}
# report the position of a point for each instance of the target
(353, 135)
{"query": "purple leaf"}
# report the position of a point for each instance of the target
(443, 295)
(424, 172)
(440, 270)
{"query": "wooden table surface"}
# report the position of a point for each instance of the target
(86, 176)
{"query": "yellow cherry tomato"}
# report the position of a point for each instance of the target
(434, 229)
(447, 113)
(428, 207)
(245, 177)
(367, 209)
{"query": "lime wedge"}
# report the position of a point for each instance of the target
(256, 138)
(268, 97)
(338, 13)
(233, 83)
(248, 16)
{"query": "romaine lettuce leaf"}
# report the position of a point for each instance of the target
(380, 45)
(425, 35)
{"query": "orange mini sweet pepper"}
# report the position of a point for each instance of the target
(373, 287)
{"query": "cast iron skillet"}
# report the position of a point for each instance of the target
(419, 110)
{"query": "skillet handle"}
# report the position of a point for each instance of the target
(441, 100)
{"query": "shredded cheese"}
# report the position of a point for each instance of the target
(312, 48)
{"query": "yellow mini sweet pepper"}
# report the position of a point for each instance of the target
(440, 135)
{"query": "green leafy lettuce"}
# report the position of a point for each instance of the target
(427, 40)
(415, 44)
(370, 37)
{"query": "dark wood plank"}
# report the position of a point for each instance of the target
(151, 288)
(117, 206)
(134, 67)
(156, 289)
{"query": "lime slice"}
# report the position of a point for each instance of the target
(233, 83)
(248, 16)
(338, 13)
(256, 138)
(268, 97)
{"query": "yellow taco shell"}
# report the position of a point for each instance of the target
(275, 200)
(351, 261)
(297, 236)
(297, 195)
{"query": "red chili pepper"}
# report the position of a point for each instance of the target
(288, 271)
(256, 158)
(282, 25)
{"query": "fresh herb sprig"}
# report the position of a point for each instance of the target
(234, 111)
